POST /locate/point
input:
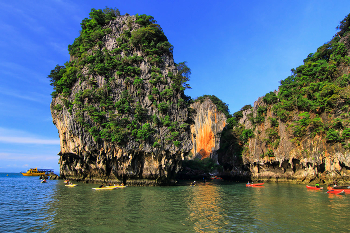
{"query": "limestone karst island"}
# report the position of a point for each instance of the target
(122, 115)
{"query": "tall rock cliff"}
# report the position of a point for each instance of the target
(119, 103)
(208, 125)
(302, 131)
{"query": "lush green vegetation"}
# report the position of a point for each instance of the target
(246, 134)
(234, 119)
(221, 106)
(318, 86)
(270, 98)
(313, 101)
(232, 142)
(110, 109)
(92, 31)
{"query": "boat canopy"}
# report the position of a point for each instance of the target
(45, 170)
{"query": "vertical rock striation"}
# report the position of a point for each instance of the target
(208, 124)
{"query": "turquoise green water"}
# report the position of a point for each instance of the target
(26, 205)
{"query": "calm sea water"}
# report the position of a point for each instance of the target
(26, 205)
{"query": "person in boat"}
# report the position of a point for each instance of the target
(101, 186)
(317, 185)
(335, 184)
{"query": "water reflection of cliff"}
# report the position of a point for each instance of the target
(133, 209)
(204, 209)
(209, 207)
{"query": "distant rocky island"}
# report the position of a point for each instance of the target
(122, 115)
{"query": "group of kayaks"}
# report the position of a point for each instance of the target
(102, 187)
(332, 190)
(69, 184)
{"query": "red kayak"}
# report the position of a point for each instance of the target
(313, 187)
(254, 185)
(339, 191)
(336, 191)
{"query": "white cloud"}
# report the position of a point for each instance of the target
(19, 71)
(28, 16)
(21, 137)
(37, 97)
(7, 28)
(28, 140)
(4, 155)
(27, 157)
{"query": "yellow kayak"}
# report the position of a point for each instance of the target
(71, 185)
(106, 188)
(117, 186)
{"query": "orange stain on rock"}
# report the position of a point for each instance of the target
(205, 141)
(208, 123)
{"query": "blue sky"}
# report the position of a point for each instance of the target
(237, 50)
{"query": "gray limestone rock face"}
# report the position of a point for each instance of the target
(127, 125)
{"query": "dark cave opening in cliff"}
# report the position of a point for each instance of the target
(124, 179)
(286, 165)
(295, 164)
(108, 167)
(344, 166)
(321, 168)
